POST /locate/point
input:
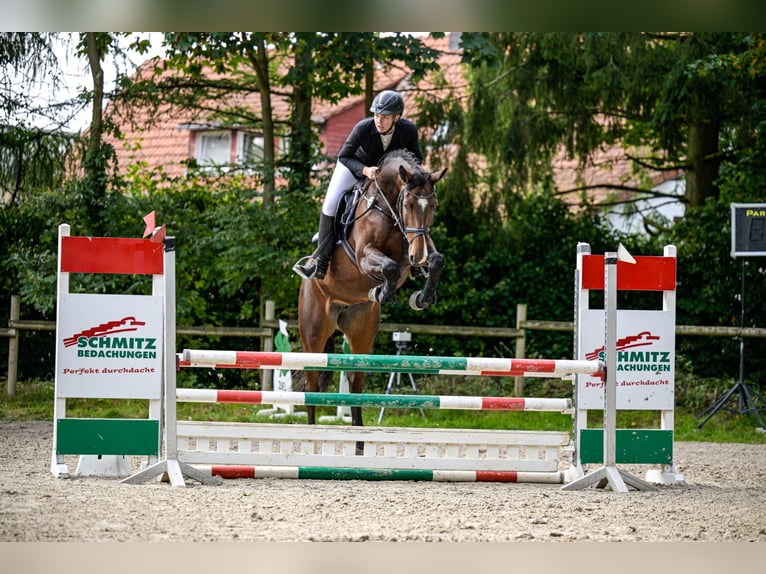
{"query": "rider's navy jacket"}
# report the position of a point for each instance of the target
(363, 146)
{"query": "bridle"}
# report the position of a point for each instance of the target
(397, 214)
(393, 213)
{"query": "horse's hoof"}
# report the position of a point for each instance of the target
(414, 301)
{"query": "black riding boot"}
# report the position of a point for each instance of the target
(316, 266)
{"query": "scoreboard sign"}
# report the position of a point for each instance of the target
(748, 229)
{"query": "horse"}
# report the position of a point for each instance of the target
(387, 237)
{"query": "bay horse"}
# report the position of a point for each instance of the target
(389, 236)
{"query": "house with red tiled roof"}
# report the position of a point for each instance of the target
(170, 139)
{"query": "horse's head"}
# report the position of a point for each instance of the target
(417, 206)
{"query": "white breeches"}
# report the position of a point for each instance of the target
(341, 181)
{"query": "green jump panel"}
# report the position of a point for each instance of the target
(633, 446)
(365, 473)
(108, 436)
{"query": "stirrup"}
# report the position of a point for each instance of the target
(306, 267)
(311, 267)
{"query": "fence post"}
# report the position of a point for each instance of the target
(521, 347)
(267, 377)
(13, 348)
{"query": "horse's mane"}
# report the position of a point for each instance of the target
(403, 154)
(419, 176)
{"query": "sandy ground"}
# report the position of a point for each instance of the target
(724, 499)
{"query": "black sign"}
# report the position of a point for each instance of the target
(748, 229)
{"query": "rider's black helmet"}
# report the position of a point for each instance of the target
(387, 103)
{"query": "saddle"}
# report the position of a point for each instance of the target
(344, 217)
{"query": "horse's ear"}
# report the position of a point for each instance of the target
(438, 175)
(404, 174)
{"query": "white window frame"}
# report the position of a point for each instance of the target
(247, 141)
(204, 153)
(215, 158)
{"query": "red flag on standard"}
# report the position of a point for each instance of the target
(151, 223)
(157, 233)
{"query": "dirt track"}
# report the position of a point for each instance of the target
(724, 499)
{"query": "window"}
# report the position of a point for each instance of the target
(214, 148)
(229, 149)
(250, 148)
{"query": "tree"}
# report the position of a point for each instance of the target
(95, 161)
(33, 149)
(329, 67)
(38, 151)
(209, 71)
(25, 58)
(236, 80)
(680, 101)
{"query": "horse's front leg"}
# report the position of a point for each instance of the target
(374, 263)
(422, 299)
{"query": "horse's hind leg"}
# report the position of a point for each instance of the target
(316, 381)
(360, 326)
(316, 328)
(356, 382)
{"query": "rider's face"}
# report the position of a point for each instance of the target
(384, 123)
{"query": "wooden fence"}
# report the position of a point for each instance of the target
(269, 326)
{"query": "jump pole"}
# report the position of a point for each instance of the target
(344, 473)
(475, 366)
(369, 467)
(242, 450)
(375, 400)
(609, 474)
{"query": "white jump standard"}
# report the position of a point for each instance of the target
(610, 474)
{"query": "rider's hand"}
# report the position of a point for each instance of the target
(369, 171)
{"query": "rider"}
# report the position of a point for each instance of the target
(368, 141)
